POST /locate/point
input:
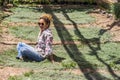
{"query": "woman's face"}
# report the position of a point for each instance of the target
(42, 24)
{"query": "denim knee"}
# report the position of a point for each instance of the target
(19, 45)
(23, 50)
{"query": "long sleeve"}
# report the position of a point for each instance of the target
(48, 41)
(44, 46)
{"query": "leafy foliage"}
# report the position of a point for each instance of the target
(112, 8)
(116, 10)
(47, 1)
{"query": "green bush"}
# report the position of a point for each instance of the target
(116, 10)
(32, 1)
(106, 6)
(112, 8)
(16, 2)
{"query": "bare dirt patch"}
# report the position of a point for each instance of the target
(5, 72)
(108, 24)
(8, 37)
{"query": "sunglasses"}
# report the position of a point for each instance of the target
(40, 24)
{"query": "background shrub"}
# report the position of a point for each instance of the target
(116, 10)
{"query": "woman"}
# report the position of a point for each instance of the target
(43, 49)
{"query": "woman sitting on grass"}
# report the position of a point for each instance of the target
(43, 49)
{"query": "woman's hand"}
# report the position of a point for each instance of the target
(50, 57)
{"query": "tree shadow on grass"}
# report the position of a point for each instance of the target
(57, 58)
(2, 17)
(85, 66)
(115, 23)
(94, 49)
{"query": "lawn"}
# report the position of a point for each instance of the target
(32, 14)
(95, 51)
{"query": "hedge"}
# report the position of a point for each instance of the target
(116, 10)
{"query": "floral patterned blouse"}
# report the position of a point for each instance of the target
(44, 45)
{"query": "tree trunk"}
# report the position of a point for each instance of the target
(4, 2)
(56, 1)
(118, 0)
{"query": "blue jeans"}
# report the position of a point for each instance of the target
(27, 51)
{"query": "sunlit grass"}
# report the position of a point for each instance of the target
(108, 54)
(98, 54)
(24, 15)
(31, 33)
(8, 59)
(32, 14)
(50, 75)
(27, 33)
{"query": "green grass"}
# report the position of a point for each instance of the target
(24, 15)
(31, 33)
(50, 75)
(28, 33)
(79, 17)
(95, 55)
(8, 59)
(87, 56)
(69, 56)
(32, 14)
(82, 56)
(108, 54)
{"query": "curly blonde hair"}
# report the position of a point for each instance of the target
(47, 18)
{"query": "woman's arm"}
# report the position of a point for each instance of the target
(48, 48)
